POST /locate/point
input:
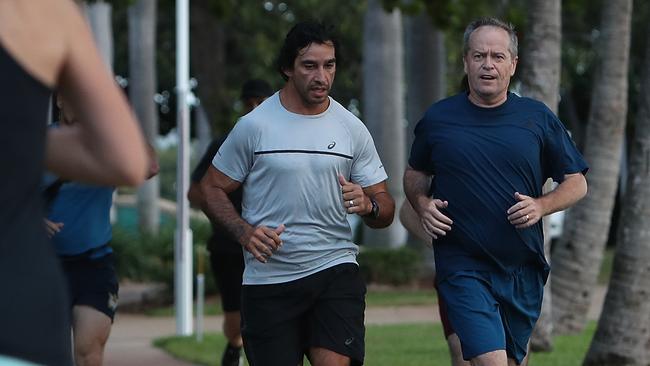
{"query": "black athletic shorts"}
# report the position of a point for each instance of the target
(92, 282)
(228, 268)
(280, 322)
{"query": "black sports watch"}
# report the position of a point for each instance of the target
(374, 212)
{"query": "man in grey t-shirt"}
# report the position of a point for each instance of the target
(304, 163)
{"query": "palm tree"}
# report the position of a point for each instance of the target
(208, 60)
(426, 69)
(540, 76)
(383, 106)
(623, 332)
(142, 87)
(579, 253)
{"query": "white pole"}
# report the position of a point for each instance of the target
(183, 246)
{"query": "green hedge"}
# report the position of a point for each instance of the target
(399, 266)
(145, 257)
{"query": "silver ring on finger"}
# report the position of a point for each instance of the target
(527, 218)
(351, 203)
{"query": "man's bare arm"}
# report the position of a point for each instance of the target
(529, 210)
(260, 241)
(385, 203)
(214, 189)
(565, 195)
(358, 200)
(416, 187)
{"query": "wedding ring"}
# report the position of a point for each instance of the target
(527, 217)
(351, 203)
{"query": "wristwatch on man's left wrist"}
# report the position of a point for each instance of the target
(374, 211)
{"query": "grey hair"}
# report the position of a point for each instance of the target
(493, 22)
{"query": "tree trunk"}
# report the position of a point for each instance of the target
(623, 334)
(208, 40)
(142, 87)
(541, 80)
(98, 14)
(579, 253)
(383, 107)
(426, 71)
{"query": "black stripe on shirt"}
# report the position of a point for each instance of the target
(303, 152)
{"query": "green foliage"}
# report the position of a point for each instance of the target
(147, 257)
(389, 266)
(144, 257)
(389, 345)
(167, 159)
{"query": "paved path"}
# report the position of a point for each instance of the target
(131, 339)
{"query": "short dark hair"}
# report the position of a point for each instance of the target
(493, 22)
(302, 35)
(256, 88)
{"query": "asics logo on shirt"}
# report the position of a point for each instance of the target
(331, 145)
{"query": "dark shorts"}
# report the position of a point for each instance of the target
(92, 282)
(493, 311)
(280, 322)
(228, 268)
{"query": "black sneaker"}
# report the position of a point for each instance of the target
(231, 356)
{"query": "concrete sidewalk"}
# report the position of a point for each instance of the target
(130, 343)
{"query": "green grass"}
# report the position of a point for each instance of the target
(391, 297)
(391, 345)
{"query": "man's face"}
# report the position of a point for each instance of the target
(489, 65)
(313, 73)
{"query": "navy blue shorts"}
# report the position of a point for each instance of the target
(492, 311)
(93, 282)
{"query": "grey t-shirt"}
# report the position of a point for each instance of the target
(289, 165)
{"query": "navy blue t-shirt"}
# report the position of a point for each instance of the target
(479, 157)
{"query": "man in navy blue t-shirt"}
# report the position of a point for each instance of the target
(475, 176)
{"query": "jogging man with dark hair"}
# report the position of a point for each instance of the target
(304, 163)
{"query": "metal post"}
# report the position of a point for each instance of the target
(183, 245)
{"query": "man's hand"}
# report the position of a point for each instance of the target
(52, 228)
(355, 200)
(525, 213)
(434, 222)
(262, 241)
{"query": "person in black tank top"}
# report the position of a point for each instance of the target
(47, 45)
(34, 313)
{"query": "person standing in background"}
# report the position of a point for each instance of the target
(226, 256)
